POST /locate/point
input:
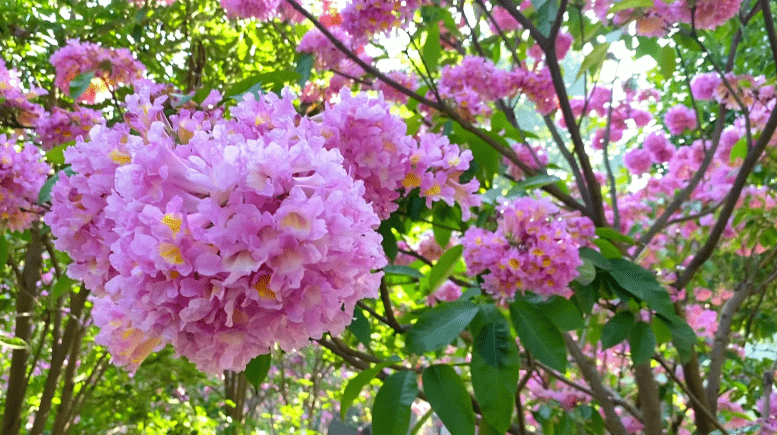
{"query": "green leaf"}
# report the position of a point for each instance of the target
(431, 49)
(647, 47)
(449, 399)
(391, 410)
(546, 13)
(360, 327)
(269, 81)
(643, 285)
(257, 369)
(617, 329)
(439, 326)
(642, 343)
(80, 84)
(56, 155)
(486, 157)
(495, 368)
(587, 272)
(63, 285)
(740, 149)
(614, 235)
(357, 383)
(683, 338)
(402, 270)
(3, 249)
(563, 313)
(539, 335)
(661, 331)
(667, 61)
(304, 67)
(444, 267)
(608, 249)
(389, 241)
(594, 60)
(596, 258)
(443, 218)
(631, 4)
(45, 192)
(13, 343)
(537, 182)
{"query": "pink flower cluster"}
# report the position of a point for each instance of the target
(61, 126)
(326, 53)
(473, 82)
(259, 9)
(377, 151)
(363, 18)
(407, 80)
(223, 237)
(476, 81)
(503, 19)
(657, 20)
(21, 109)
(534, 157)
(534, 249)
(22, 174)
(679, 118)
(111, 67)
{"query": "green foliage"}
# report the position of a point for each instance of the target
(439, 326)
(391, 411)
(449, 399)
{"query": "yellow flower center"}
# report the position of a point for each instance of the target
(261, 287)
(119, 157)
(170, 253)
(172, 222)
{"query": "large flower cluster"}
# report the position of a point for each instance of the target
(111, 67)
(378, 151)
(226, 236)
(363, 18)
(259, 9)
(656, 20)
(533, 249)
(15, 104)
(62, 126)
(22, 174)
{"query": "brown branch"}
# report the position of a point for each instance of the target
(58, 354)
(649, 400)
(17, 381)
(769, 24)
(731, 199)
(598, 391)
(616, 399)
(696, 400)
(389, 312)
(507, 152)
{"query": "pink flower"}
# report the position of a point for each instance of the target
(703, 86)
(659, 147)
(262, 10)
(532, 249)
(389, 93)
(363, 18)
(224, 241)
(111, 67)
(709, 13)
(22, 174)
(679, 118)
(61, 126)
(637, 161)
(15, 100)
(503, 19)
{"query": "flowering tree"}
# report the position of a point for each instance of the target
(546, 216)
